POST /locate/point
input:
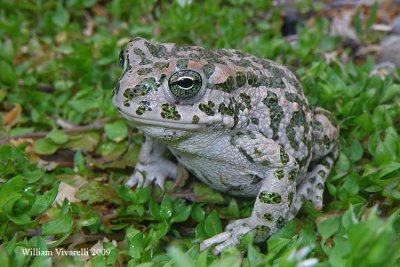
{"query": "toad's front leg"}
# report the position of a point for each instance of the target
(271, 208)
(152, 165)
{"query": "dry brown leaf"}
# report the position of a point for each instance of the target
(11, 117)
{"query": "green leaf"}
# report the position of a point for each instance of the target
(166, 210)
(60, 16)
(43, 202)
(212, 224)
(328, 227)
(61, 225)
(198, 213)
(7, 73)
(58, 137)
(227, 261)
(180, 258)
(136, 246)
(10, 189)
(116, 131)
(181, 212)
(94, 192)
(45, 146)
(204, 193)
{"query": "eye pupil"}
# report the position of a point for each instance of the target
(185, 83)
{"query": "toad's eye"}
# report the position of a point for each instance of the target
(185, 84)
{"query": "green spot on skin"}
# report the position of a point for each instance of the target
(269, 197)
(292, 175)
(279, 174)
(128, 94)
(117, 86)
(169, 112)
(268, 217)
(143, 107)
(226, 86)
(182, 63)
(280, 222)
(321, 173)
(290, 198)
(252, 79)
(320, 186)
(207, 108)
(258, 153)
(284, 156)
(263, 229)
(144, 71)
(126, 103)
(156, 50)
(229, 109)
(276, 111)
(195, 119)
(142, 55)
(240, 79)
(160, 65)
(208, 69)
(246, 100)
(254, 121)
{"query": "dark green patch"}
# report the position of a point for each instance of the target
(284, 156)
(266, 81)
(320, 186)
(143, 59)
(254, 121)
(279, 174)
(229, 110)
(161, 81)
(161, 65)
(195, 119)
(156, 50)
(280, 222)
(207, 108)
(268, 217)
(246, 100)
(292, 175)
(144, 71)
(208, 70)
(142, 89)
(252, 79)
(226, 86)
(143, 107)
(290, 198)
(322, 173)
(258, 153)
(298, 119)
(312, 179)
(122, 58)
(240, 79)
(269, 197)
(116, 89)
(182, 63)
(126, 103)
(262, 229)
(276, 113)
(169, 112)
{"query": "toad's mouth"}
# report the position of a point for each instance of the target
(179, 125)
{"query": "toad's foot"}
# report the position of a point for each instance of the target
(231, 237)
(148, 173)
(152, 166)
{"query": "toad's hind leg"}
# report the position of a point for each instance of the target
(312, 187)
